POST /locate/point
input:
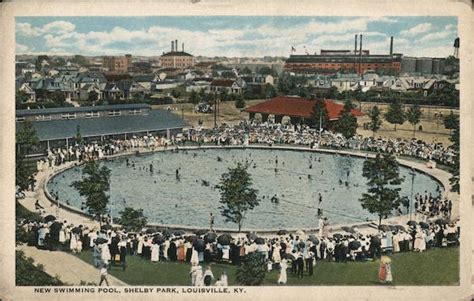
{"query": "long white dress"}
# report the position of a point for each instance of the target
(276, 254)
(193, 273)
(165, 249)
(105, 253)
(73, 242)
(282, 279)
(194, 257)
(199, 277)
(155, 252)
(225, 252)
(92, 237)
(140, 245)
(419, 240)
(396, 246)
(62, 236)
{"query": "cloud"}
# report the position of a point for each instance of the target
(27, 30)
(20, 48)
(436, 36)
(222, 40)
(450, 27)
(56, 27)
(416, 30)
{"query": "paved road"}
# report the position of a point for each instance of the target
(67, 267)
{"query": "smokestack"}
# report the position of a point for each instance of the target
(360, 54)
(175, 45)
(391, 46)
(183, 47)
(172, 46)
(355, 53)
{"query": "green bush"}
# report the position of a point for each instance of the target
(252, 270)
(27, 274)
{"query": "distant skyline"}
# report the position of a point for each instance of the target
(233, 36)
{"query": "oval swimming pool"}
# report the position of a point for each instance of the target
(295, 177)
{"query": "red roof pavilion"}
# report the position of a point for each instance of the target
(295, 106)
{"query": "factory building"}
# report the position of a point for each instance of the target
(332, 61)
(177, 59)
(423, 65)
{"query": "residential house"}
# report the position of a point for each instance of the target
(198, 84)
(26, 88)
(86, 90)
(229, 85)
(145, 80)
(123, 89)
(346, 82)
(160, 85)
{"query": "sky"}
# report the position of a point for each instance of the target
(233, 36)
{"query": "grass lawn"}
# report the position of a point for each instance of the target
(433, 267)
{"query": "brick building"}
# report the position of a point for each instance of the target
(332, 61)
(177, 59)
(119, 64)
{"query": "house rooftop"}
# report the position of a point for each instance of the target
(155, 120)
(295, 106)
(81, 109)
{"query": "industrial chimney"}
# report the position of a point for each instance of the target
(391, 46)
(176, 45)
(172, 46)
(360, 54)
(355, 53)
(182, 47)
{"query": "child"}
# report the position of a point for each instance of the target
(103, 275)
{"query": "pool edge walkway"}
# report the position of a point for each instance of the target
(67, 267)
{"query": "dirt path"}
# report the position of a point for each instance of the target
(67, 267)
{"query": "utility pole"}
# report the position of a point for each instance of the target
(215, 111)
(412, 173)
(320, 122)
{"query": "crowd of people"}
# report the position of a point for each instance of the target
(433, 206)
(250, 132)
(296, 252)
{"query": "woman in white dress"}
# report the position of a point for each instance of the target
(105, 253)
(282, 279)
(140, 244)
(225, 252)
(62, 235)
(419, 240)
(396, 240)
(193, 273)
(73, 243)
(166, 245)
(155, 253)
(199, 277)
(194, 257)
(223, 280)
(276, 254)
(422, 245)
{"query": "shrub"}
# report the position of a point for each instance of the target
(252, 270)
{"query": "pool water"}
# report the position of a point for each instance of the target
(295, 177)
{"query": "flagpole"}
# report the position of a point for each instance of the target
(320, 122)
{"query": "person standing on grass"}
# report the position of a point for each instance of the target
(283, 278)
(97, 256)
(208, 276)
(123, 252)
(193, 273)
(103, 275)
